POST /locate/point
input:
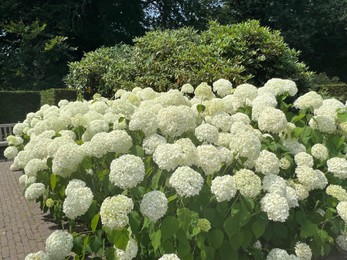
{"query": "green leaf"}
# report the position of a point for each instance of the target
(280, 230)
(201, 108)
(186, 216)
(247, 238)
(53, 181)
(155, 239)
(236, 241)
(231, 226)
(215, 238)
(155, 179)
(135, 221)
(300, 217)
(94, 222)
(168, 227)
(121, 238)
(245, 215)
(308, 230)
(183, 244)
(110, 254)
(258, 228)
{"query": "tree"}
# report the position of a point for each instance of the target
(38, 38)
(317, 28)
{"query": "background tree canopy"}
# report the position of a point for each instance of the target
(39, 38)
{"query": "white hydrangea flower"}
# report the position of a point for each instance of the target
(284, 163)
(209, 159)
(275, 206)
(303, 159)
(131, 97)
(19, 128)
(224, 139)
(267, 163)
(169, 257)
(329, 108)
(293, 146)
(231, 104)
(248, 183)
(246, 93)
(325, 124)
(291, 197)
(303, 251)
(224, 188)
(265, 100)
(40, 255)
(240, 117)
(188, 154)
(342, 210)
(175, 120)
(122, 107)
(245, 144)
(274, 184)
(187, 88)
(226, 155)
(309, 100)
(167, 156)
(172, 98)
(147, 94)
(341, 241)
(150, 143)
(222, 87)
(214, 106)
(77, 202)
(280, 254)
(145, 121)
(186, 181)
(10, 152)
(281, 86)
(74, 184)
(114, 211)
(222, 121)
(301, 191)
(119, 93)
(130, 250)
(337, 192)
(66, 159)
(320, 152)
(312, 179)
(34, 166)
(127, 171)
(207, 133)
(154, 205)
(272, 120)
(34, 191)
(338, 167)
(204, 92)
(14, 140)
(59, 245)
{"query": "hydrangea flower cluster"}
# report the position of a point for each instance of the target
(146, 157)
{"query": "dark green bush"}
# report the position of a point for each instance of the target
(245, 52)
(87, 75)
(54, 95)
(14, 105)
(337, 90)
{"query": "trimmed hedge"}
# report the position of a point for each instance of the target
(14, 105)
(338, 90)
(54, 95)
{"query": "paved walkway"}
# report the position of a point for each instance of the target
(23, 229)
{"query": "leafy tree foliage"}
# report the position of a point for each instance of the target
(316, 27)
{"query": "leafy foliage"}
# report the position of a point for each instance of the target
(162, 60)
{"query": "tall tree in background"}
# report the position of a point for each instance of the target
(318, 28)
(38, 38)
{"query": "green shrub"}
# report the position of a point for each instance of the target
(245, 52)
(337, 90)
(54, 95)
(87, 75)
(14, 105)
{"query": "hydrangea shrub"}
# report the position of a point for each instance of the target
(212, 173)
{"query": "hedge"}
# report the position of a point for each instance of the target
(54, 95)
(338, 90)
(14, 105)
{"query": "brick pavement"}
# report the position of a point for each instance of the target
(23, 228)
